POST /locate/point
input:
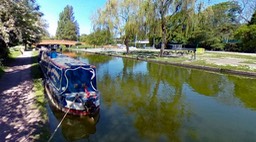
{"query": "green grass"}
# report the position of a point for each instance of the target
(15, 51)
(230, 55)
(40, 101)
(249, 62)
(229, 67)
(172, 59)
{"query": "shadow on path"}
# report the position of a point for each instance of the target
(19, 118)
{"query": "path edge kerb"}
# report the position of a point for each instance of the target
(206, 68)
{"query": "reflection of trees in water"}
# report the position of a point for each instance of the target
(156, 99)
(167, 115)
(139, 93)
(228, 89)
(205, 83)
(245, 90)
(76, 128)
(93, 59)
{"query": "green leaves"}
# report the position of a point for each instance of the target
(20, 22)
(68, 27)
(246, 34)
(181, 21)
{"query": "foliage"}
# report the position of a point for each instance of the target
(68, 28)
(253, 19)
(216, 25)
(188, 22)
(247, 35)
(120, 19)
(83, 38)
(15, 51)
(40, 100)
(99, 37)
(163, 8)
(20, 22)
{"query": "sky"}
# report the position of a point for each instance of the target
(83, 10)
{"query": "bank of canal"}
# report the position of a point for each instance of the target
(146, 101)
(242, 64)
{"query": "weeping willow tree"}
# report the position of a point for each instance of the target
(163, 9)
(151, 23)
(120, 17)
(191, 22)
(182, 23)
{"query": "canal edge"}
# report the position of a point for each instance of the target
(206, 68)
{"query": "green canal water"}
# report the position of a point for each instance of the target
(150, 102)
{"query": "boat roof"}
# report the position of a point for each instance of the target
(67, 62)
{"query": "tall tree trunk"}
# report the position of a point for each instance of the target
(25, 44)
(126, 42)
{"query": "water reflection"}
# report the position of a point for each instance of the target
(144, 101)
(205, 83)
(74, 127)
(245, 90)
(132, 89)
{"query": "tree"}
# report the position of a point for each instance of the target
(99, 37)
(119, 18)
(32, 27)
(253, 19)
(246, 34)
(183, 23)
(150, 22)
(162, 9)
(20, 22)
(216, 25)
(68, 28)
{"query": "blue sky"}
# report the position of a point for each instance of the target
(83, 10)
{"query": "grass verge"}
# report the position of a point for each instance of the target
(40, 100)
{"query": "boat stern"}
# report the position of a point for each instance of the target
(83, 103)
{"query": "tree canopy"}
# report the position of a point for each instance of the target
(68, 28)
(20, 22)
(188, 22)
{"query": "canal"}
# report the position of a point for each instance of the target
(149, 102)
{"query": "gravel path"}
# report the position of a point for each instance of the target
(19, 118)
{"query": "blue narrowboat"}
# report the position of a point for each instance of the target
(69, 83)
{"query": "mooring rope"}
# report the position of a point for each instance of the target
(62, 120)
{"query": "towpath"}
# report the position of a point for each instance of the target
(19, 118)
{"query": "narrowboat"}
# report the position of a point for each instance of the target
(69, 83)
